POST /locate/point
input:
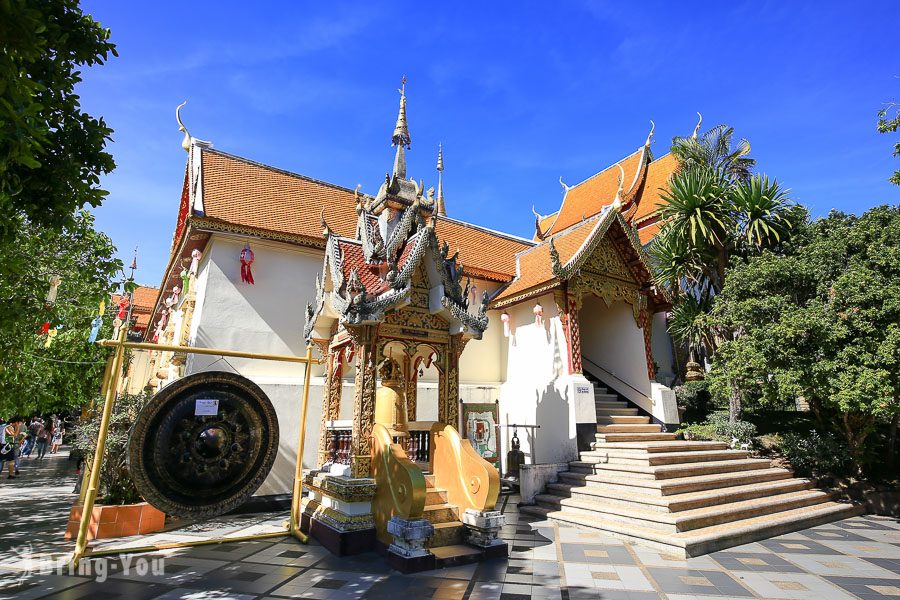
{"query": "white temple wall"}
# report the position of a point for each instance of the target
(663, 354)
(536, 390)
(267, 317)
(611, 339)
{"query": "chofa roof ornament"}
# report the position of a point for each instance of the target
(650, 135)
(186, 142)
(617, 203)
(697, 128)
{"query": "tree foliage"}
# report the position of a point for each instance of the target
(51, 152)
(821, 321)
(889, 122)
(68, 372)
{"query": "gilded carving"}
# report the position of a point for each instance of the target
(607, 261)
(363, 405)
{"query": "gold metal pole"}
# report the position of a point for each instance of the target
(298, 474)
(187, 544)
(210, 351)
(87, 507)
(86, 469)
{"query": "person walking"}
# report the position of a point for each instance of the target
(57, 436)
(7, 447)
(43, 437)
(18, 441)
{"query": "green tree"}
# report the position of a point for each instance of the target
(68, 372)
(51, 152)
(889, 123)
(821, 321)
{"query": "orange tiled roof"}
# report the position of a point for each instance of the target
(591, 195)
(658, 173)
(253, 195)
(144, 301)
(535, 265)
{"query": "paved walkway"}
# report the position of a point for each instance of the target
(855, 558)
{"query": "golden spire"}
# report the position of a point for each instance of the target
(440, 208)
(697, 128)
(401, 137)
(401, 129)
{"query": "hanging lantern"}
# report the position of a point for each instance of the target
(505, 318)
(50, 335)
(538, 315)
(95, 328)
(44, 329)
(176, 294)
(55, 280)
(117, 323)
(247, 259)
(185, 280)
(123, 307)
(195, 262)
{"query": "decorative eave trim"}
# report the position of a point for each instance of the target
(531, 292)
(212, 224)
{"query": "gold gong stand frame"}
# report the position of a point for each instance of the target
(108, 392)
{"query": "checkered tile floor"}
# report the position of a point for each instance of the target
(854, 558)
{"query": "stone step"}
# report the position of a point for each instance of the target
(621, 419)
(447, 534)
(680, 485)
(716, 537)
(679, 502)
(435, 496)
(660, 458)
(456, 555)
(441, 513)
(629, 428)
(429, 481)
(634, 437)
(607, 396)
(671, 471)
(610, 404)
(608, 412)
(685, 520)
(654, 447)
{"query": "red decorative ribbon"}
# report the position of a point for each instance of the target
(247, 259)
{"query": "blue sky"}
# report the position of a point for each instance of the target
(519, 93)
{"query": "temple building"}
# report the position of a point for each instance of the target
(417, 317)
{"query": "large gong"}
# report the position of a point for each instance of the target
(203, 444)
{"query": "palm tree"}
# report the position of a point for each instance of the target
(714, 150)
(766, 215)
(688, 324)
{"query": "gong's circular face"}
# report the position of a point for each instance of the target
(203, 444)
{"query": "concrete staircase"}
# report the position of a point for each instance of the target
(686, 498)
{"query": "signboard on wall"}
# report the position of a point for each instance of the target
(480, 427)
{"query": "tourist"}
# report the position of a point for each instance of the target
(7, 447)
(30, 438)
(18, 441)
(42, 438)
(56, 436)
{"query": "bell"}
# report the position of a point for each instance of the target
(390, 399)
(515, 457)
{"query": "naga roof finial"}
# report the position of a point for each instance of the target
(697, 128)
(565, 187)
(650, 135)
(326, 230)
(617, 203)
(186, 142)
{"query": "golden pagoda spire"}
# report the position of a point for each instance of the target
(439, 204)
(401, 137)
